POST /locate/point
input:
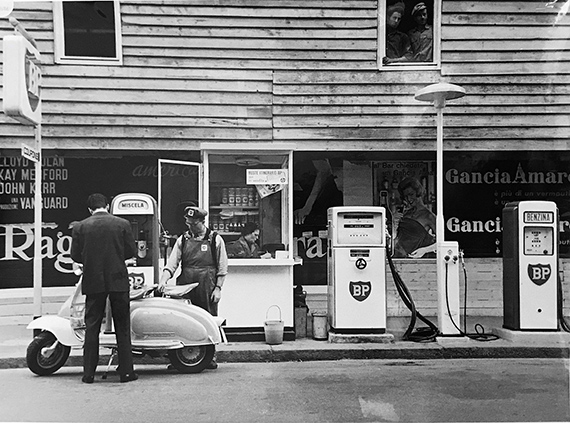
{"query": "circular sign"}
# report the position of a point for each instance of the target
(6, 7)
(360, 263)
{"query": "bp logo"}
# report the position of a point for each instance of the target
(539, 273)
(360, 290)
(33, 80)
(136, 280)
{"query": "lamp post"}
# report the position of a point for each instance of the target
(447, 252)
(438, 94)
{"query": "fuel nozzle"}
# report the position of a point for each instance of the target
(141, 245)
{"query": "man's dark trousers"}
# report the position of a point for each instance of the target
(94, 313)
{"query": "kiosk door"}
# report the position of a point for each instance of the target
(179, 184)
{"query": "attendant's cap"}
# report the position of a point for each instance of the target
(418, 8)
(195, 212)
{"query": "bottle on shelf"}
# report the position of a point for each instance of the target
(251, 196)
(224, 196)
(231, 197)
(238, 196)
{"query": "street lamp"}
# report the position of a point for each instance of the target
(447, 252)
(438, 94)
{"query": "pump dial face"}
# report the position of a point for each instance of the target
(538, 241)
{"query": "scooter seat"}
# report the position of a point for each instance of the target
(136, 294)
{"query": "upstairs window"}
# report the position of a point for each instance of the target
(87, 32)
(409, 34)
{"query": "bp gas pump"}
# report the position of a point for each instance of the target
(530, 265)
(356, 269)
(141, 211)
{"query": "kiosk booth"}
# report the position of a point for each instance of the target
(240, 185)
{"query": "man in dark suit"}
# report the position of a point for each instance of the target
(102, 243)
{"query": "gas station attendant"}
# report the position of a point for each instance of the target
(202, 255)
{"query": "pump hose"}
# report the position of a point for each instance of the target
(425, 334)
(479, 334)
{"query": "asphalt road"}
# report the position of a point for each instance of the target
(463, 390)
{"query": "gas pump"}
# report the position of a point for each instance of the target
(141, 211)
(356, 264)
(530, 265)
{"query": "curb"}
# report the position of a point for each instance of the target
(276, 355)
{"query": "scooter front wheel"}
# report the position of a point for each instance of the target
(45, 355)
(191, 359)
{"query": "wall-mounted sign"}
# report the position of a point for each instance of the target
(268, 189)
(22, 80)
(267, 176)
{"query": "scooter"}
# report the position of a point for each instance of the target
(168, 325)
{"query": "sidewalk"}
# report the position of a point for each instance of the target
(15, 339)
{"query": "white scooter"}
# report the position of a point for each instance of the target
(168, 325)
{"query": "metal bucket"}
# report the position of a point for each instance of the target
(320, 329)
(273, 328)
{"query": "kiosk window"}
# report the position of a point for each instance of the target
(236, 204)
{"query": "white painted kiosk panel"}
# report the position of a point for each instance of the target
(251, 287)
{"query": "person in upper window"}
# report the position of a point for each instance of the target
(398, 46)
(421, 36)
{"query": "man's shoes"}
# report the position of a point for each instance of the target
(129, 377)
(213, 365)
(87, 379)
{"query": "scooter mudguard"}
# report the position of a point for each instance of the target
(59, 326)
(154, 319)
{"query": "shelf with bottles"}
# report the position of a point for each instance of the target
(236, 209)
(245, 196)
(233, 222)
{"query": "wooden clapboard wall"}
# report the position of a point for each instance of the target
(304, 71)
(513, 59)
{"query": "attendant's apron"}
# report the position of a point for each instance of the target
(198, 266)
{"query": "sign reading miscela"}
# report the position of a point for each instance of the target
(134, 206)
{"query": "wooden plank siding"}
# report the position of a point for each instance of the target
(239, 70)
(509, 56)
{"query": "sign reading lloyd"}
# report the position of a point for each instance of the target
(22, 80)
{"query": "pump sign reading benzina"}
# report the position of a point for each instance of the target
(22, 80)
